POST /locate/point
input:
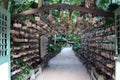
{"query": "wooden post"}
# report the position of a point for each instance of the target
(5, 4)
(40, 3)
(55, 39)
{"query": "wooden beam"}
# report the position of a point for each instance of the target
(5, 4)
(64, 6)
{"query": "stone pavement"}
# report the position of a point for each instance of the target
(65, 66)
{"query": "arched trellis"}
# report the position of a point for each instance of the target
(64, 6)
(84, 32)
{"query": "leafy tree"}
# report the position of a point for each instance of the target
(16, 6)
(112, 7)
(107, 5)
(103, 4)
(71, 2)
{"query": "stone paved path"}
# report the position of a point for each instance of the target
(65, 66)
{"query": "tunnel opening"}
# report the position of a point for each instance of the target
(38, 36)
(94, 41)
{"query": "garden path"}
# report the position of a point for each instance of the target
(65, 66)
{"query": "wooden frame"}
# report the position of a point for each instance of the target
(63, 6)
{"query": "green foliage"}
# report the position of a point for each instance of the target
(16, 6)
(54, 48)
(109, 21)
(71, 2)
(103, 4)
(73, 16)
(25, 69)
(107, 5)
(54, 2)
(17, 77)
(113, 7)
(75, 2)
(60, 42)
(73, 38)
(34, 4)
(51, 48)
(1, 3)
(55, 14)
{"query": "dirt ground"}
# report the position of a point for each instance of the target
(65, 66)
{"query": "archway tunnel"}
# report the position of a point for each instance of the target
(39, 35)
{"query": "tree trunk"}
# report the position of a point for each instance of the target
(40, 3)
